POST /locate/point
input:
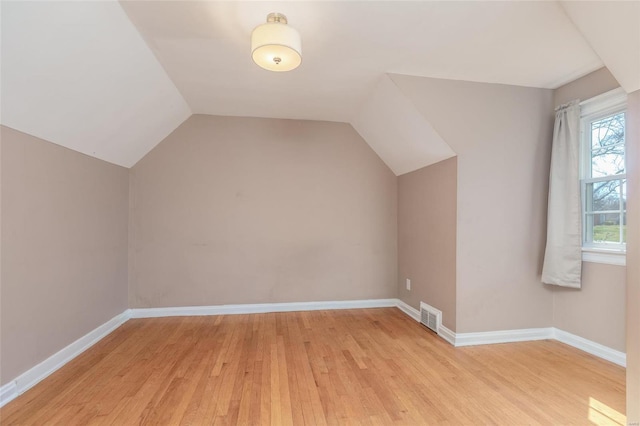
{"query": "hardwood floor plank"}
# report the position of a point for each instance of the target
(346, 367)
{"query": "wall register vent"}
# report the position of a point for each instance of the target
(430, 317)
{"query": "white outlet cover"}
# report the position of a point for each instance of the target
(408, 284)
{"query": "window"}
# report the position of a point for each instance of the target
(603, 178)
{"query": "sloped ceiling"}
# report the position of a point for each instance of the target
(78, 74)
(388, 115)
(612, 28)
(347, 46)
(113, 79)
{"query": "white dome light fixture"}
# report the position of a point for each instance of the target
(275, 46)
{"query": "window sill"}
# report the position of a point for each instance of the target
(609, 257)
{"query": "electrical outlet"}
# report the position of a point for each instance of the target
(408, 284)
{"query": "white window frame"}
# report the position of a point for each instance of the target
(591, 110)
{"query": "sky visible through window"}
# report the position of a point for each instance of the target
(607, 146)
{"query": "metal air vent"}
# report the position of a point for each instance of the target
(430, 317)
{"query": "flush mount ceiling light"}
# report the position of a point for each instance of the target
(275, 46)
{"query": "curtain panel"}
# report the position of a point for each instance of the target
(563, 253)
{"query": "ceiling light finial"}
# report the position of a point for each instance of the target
(275, 46)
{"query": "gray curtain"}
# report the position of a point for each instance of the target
(563, 253)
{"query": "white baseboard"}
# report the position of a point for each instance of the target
(481, 338)
(447, 334)
(591, 347)
(260, 308)
(34, 375)
(525, 335)
(8, 392)
(503, 336)
(522, 335)
(408, 309)
(443, 331)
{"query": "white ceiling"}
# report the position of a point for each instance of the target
(347, 46)
(81, 75)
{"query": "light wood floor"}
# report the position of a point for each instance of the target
(369, 366)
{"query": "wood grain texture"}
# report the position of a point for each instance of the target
(366, 366)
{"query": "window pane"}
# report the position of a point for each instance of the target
(606, 227)
(624, 227)
(603, 196)
(607, 146)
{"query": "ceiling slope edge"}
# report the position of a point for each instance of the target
(401, 136)
(618, 46)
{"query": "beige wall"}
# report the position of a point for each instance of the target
(633, 259)
(64, 248)
(427, 238)
(502, 136)
(596, 311)
(242, 210)
(590, 85)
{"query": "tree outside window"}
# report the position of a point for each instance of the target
(604, 183)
